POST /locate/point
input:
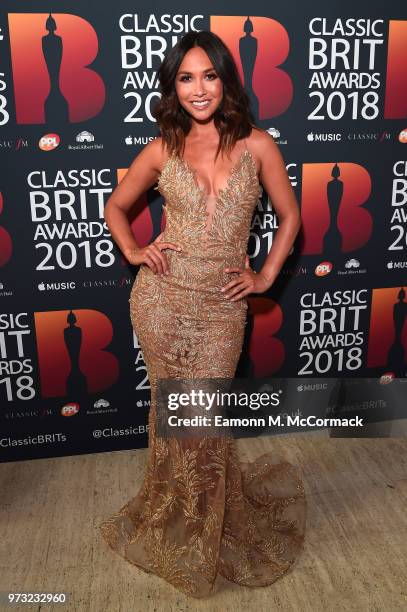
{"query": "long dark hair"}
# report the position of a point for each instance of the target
(232, 118)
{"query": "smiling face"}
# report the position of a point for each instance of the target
(199, 88)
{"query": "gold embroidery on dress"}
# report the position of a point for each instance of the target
(199, 510)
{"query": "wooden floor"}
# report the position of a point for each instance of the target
(355, 556)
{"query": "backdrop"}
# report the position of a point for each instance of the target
(77, 87)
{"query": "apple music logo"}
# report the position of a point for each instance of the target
(329, 137)
(56, 286)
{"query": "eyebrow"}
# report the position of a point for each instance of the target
(186, 72)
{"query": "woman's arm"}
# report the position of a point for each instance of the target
(141, 175)
(274, 178)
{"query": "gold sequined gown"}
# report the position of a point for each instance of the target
(199, 510)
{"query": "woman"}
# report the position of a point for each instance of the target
(199, 510)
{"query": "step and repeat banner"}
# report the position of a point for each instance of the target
(77, 89)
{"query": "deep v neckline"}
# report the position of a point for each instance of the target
(209, 202)
(221, 192)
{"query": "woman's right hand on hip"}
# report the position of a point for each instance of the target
(152, 256)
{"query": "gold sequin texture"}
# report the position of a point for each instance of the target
(200, 510)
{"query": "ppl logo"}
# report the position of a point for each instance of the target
(334, 220)
(51, 57)
(49, 142)
(260, 46)
(323, 268)
(403, 136)
(70, 409)
(387, 378)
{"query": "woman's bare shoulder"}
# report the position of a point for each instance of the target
(261, 144)
(260, 139)
(155, 153)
